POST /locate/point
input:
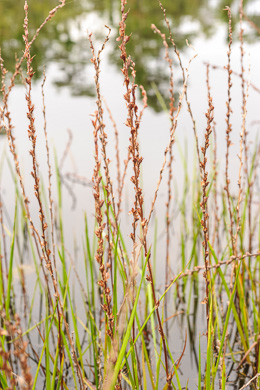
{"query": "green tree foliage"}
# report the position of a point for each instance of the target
(57, 43)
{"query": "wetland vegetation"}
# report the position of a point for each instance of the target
(130, 309)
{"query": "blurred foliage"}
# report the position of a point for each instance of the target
(58, 43)
(146, 48)
(55, 43)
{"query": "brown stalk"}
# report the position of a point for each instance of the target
(51, 214)
(234, 73)
(98, 126)
(7, 124)
(242, 76)
(121, 320)
(169, 166)
(126, 162)
(215, 235)
(117, 149)
(52, 13)
(243, 145)
(244, 133)
(171, 141)
(231, 260)
(97, 177)
(250, 381)
(49, 174)
(5, 114)
(183, 79)
(133, 123)
(204, 202)
(99, 232)
(121, 179)
(32, 136)
(108, 187)
(14, 333)
(132, 120)
(228, 131)
(46, 252)
(99, 132)
(255, 344)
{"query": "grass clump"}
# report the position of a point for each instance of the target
(122, 338)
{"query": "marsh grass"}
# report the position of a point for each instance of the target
(122, 336)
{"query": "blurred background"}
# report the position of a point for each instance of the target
(200, 28)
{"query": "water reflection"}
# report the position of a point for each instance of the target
(58, 42)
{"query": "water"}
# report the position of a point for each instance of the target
(63, 47)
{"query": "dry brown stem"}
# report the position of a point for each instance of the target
(250, 381)
(117, 150)
(14, 333)
(227, 262)
(171, 141)
(99, 232)
(228, 131)
(243, 144)
(128, 159)
(46, 252)
(242, 76)
(99, 132)
(51, 14)
(169, 166)
(215, 235)
(234, 73)
(32, 137)
(49, 175)
(133, 123)
(183, 79)
(170, 162)
(7, 124)
(255, 343)
(40, 240)
(204, 183)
